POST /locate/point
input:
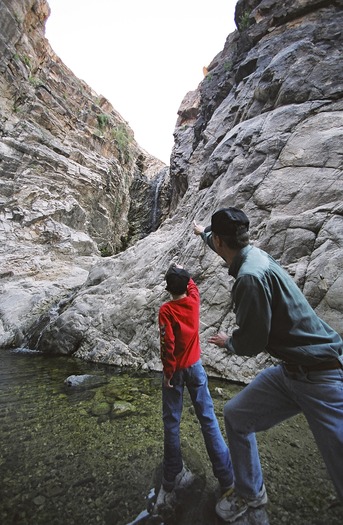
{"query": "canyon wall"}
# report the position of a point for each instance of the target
(69, 164)
(262, 131)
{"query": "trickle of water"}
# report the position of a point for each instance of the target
(155, 201)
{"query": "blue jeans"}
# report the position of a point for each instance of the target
(273, 396)
(195, 379)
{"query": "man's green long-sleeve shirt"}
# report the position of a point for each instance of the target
(273, 315)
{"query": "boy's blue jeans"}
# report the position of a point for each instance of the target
(195, 379)
(273, 396)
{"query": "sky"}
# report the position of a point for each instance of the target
(144, 56)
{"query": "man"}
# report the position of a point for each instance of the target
(180, 355)
(273, 315)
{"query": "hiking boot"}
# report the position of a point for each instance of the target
(231, 506)
(165, 500)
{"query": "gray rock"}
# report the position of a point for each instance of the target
(69, 168)
(263, 131)
(84, 381)
(121, 409)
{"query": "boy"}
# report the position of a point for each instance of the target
(180, 355)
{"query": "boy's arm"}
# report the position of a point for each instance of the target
(167, 344)
(192, 289)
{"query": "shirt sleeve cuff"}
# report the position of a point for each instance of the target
(229, 346)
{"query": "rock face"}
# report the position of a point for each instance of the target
(263, 131)
(68, 166)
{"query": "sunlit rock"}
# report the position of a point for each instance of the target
(262, 131)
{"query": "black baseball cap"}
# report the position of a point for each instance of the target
(177, 280)
(227, 220)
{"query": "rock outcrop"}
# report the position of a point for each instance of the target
(263, 131)
(69, 164)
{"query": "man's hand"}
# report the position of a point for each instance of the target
(198, 228)
(166, 382)
(219, 339)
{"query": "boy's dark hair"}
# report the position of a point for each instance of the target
(177, 280)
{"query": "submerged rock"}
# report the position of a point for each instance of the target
(84, 381)
(100, 409)
(122, 408)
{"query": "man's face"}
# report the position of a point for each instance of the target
(218, 244)
(225, 253)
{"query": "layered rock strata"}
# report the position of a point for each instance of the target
(69, 172)
(263, 131)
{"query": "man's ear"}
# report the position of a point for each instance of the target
(217, 239)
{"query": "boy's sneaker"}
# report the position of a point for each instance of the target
(182, 480)
(231, 506)
(164, 500)
(167, 499)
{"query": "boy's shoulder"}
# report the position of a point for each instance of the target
(166, 305)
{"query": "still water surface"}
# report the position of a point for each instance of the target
(90, 456)
(64, 459)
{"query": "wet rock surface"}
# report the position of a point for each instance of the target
(84, 381)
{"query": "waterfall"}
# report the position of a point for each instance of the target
(155, 190)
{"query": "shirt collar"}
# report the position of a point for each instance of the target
(238, 260)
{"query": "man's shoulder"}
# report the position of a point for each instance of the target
(255, 263)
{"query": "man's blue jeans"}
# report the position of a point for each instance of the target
(195, 379)
(273, 396)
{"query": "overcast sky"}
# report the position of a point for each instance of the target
(142, 55)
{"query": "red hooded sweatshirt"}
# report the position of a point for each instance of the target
(179, 331)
